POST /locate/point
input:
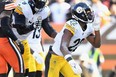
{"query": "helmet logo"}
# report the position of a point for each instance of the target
(39, 18)
(79, 9)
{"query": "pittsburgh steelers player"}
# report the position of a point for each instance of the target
(29, 18)
(82, 26)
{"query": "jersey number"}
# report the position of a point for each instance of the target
(76, 43)
(36, 35)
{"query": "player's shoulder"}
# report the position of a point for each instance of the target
(72, 22)
(22, 4)
(45, 12)
(46, 9)
(71, 25)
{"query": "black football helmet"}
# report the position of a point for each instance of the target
(40, 3)
(81, 11)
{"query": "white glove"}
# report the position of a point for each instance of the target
(96, 23)
(38, 57)
(75, 66)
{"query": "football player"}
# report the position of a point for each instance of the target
(75, 30)
(28, 19)
(9, 50)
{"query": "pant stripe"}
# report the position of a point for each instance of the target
(47, 63)
(21, 64)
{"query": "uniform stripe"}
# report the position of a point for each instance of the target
(18, 9)
(47, 64)
(70, 28)
(21, 64)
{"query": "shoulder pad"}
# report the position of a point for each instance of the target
(71, 25)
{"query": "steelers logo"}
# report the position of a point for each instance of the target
(39, 18)
(79, 10)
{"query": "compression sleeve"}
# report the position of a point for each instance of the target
(48, 29)
(5, 25)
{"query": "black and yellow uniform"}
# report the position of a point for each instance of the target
(25, 16)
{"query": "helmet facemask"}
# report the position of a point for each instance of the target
(39, 4)
(89, 16)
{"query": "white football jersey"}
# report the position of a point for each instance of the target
(34, 37)
(78, 36)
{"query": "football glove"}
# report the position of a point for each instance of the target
(38, 57)
(96, 23)
(75, 66)
(20, 45)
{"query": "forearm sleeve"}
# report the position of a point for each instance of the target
(48, 29)
(5, 25)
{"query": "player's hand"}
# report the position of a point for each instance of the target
(96, 23)
(10, 6)
(20, 46)
(75, 66)
(38, 58)
(36, 24)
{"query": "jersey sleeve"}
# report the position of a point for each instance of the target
(22, 7)
(71, 26)
(45, 13)
(18, 10)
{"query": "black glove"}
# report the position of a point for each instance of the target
(20, 46)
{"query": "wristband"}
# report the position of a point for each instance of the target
(68, 57)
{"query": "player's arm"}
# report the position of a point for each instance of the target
(95, 40)
(20, 24)
(65, 42)
(5, 25)
(67, 55)
(6, 6)
(6, 28)
(48, 29)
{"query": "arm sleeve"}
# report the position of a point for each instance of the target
(48, 29)
(5, 25)
(20, 24)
